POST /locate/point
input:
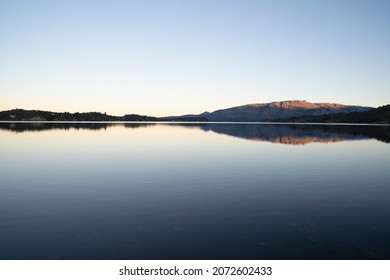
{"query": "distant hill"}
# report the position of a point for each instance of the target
(290, 111)
(380, 115)
(186, 118)
(36, 115)
(277, 110)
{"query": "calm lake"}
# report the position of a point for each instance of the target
(194, 191)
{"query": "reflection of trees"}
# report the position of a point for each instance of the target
(40, 126)
(138, 125)
(381, 133)
(294, 134)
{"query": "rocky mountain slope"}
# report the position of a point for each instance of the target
(279, 110)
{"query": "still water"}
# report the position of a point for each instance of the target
(194, 191)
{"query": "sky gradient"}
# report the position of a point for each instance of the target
(175, 57)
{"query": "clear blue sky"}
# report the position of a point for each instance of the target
(175, 57)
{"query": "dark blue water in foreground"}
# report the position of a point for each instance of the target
(194, 191)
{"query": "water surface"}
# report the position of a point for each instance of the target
(194, 191)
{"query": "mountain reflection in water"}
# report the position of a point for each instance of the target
(292, 134)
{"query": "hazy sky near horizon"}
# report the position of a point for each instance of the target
(175, 57)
